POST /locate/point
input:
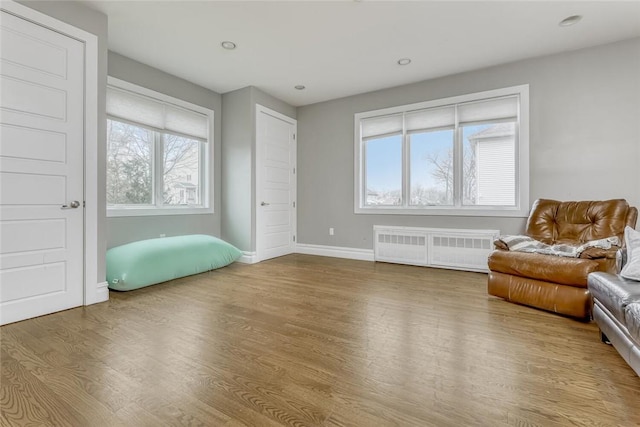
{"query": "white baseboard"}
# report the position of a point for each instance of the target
(335, 251)
(102, 293)
(248, 258)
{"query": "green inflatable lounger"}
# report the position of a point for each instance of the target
(147, 262)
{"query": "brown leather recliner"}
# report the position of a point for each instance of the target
(555, 283)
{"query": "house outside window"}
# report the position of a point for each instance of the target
(158, 153)
(467, 155)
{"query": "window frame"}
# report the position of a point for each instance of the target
(206, 160)
(521, 208)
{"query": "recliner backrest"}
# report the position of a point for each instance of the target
(552, 221)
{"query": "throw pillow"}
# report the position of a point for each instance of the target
(631, 269)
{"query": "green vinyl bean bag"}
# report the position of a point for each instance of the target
(147, 262)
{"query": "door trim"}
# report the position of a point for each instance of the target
(262, 109)
(95, 289)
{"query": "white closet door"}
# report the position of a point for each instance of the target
(276, 184)
(41, 170)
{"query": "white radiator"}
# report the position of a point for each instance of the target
(458, 249)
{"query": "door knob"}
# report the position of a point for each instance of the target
(73, 205)
(264, 204)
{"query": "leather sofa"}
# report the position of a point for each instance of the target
(616, 310)
(553, 283)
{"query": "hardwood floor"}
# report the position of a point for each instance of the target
(304, 340)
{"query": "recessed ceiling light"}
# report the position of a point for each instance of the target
(228, 45)
(404, 61)
(571, 20)
(300, 87)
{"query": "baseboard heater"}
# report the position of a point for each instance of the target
(458, 249)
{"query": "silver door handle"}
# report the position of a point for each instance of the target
(264, 204)
(73, 205)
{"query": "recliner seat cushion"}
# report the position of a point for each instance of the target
(566, 271)
(568, 300)
(614, 292)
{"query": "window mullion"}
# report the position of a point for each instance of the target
(457, 163)
(159, 169)
(204, 176)
(201, 178)
(406, 165)
(517, 162)
(363, 173)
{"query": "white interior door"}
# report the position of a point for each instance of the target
(41, 170)
(275, 184)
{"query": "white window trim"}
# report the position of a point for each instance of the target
(205, 170)
(521, 208)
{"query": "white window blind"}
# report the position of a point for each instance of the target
(495, 170)
(442, 117)
(433, 118)
(155, 114)
(489, 110)
(381, 126)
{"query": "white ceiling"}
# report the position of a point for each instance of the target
(342, 48)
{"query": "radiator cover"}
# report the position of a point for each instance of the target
(459, 249)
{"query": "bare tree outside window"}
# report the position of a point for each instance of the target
(443, 173)
(432, 176)
(130, 166)
(431, 168)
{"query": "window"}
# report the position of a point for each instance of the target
(466, 155)
(158, 153)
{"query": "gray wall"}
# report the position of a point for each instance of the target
(584, 140)
(122, 230)
(237, 175)
(95, 23)
(238, 162)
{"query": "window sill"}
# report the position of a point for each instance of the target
(506, 212)
(146, 211)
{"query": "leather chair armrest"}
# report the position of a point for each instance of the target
(500, 245)
(597, 253)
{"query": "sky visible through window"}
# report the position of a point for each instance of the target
(431, 155)
(384, 163)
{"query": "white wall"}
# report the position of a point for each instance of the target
(584, 138)
(237, 172)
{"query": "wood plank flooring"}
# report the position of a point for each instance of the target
(312, 341)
